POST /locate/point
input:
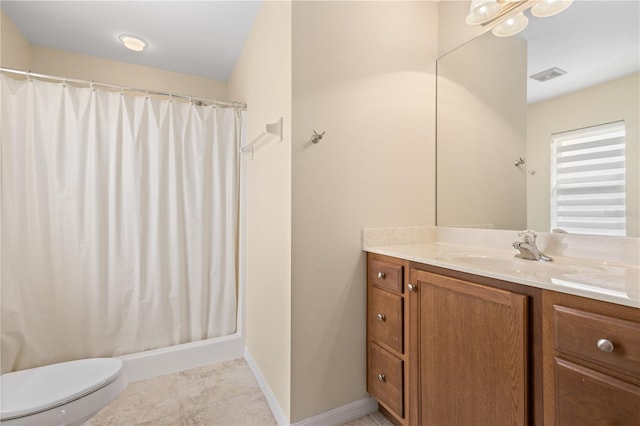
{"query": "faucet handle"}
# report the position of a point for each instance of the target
(528, 236)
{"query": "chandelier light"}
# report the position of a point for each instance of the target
(510, 26)
(506, 17)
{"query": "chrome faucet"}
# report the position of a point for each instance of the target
(528, 248)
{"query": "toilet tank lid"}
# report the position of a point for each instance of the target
(38, 389)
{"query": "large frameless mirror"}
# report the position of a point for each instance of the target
(540, 130)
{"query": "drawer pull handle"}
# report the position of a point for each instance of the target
(412, 287)
(382, 378)
(381, 317)
(605, 345)
(382, 275)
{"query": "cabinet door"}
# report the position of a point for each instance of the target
(473, 353)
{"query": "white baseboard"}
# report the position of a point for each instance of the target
(337, 416)
(342, 415)
(276, 409)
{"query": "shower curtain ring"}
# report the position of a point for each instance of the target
(28, 74)
(93, 89)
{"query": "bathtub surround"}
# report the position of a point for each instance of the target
(186, 356)
(119, 221)
(18, 53)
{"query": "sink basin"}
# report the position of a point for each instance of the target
(524, 267)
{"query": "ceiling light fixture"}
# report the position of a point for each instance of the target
(132, 42)
(545, 8)
(510, 26)
(506, 17)
(482, 11)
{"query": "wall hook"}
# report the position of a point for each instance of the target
(317, 137)
(520, 161)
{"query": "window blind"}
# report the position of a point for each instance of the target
(588, 180)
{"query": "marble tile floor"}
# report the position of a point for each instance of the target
(223, 394)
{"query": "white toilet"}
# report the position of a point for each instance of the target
(69, 393)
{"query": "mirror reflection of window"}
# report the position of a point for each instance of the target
(588, 180)
(593, 49)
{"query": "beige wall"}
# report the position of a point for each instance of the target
(364, 83)
(14, 48)
(453, 30)
(611, 101)
(475, 160)
(481, 132)
(262, 78)
(364, 73)
(18, 53)
(72, 65)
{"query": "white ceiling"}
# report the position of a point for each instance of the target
(594, 41)
(201, 38)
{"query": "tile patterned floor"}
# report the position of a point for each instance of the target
(375, 419)
(221, 394)
(224, 394)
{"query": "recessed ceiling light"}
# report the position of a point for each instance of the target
(132, 42)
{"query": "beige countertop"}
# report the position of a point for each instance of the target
(607, 278)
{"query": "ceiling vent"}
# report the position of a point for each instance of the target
(547, 75)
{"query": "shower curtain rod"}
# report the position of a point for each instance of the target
(92, 83)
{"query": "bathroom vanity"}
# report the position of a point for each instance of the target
(463, 334)
(488, 339)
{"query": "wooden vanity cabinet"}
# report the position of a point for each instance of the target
(474, 362)
(591, 362)
(389, 354)
(448, 348)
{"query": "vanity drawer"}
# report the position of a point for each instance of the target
(586, 397)
(385, 315)
(385, 274)
(384, 378)
(578, 333)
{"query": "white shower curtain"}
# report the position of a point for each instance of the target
(119, 222)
